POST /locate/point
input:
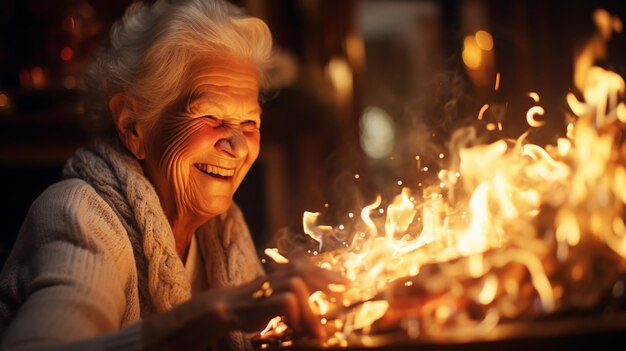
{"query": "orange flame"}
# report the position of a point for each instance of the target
(506, 228)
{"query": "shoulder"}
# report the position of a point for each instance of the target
(66, 197)
(71, 272)
(72, 237)
(72, 211)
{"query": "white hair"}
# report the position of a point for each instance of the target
(151, 47)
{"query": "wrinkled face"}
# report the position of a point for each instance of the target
(201, 147)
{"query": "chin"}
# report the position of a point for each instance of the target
(217, 206)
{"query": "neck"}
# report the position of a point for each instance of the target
(183, 229)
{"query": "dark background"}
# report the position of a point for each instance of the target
(402, 56)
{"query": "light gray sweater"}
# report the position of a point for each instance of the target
(88, 268)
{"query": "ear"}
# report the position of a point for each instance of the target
(131, 133)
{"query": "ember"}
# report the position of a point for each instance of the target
(509, 232)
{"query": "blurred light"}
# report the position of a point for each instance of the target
(67, 53)
(4, 100)
(472, 54)
(497, 85)
(534, 96)
(355, 49)
(605, 23)
(69, 24)
(340, 75)
(377, 133)
(37, 77)
(25, 77)
(484, 40)
(481, 113)
(530, 116)
(621, 112)
(577, 107)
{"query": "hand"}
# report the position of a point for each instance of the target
(283, 292)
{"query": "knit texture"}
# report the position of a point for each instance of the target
(109, 230)
(119, 179)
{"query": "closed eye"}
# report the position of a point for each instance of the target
(213, 121)
(249, 125)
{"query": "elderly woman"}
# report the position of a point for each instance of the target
(140, 246)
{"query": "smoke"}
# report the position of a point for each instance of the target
(425, 126)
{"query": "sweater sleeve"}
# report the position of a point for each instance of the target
(69, 275)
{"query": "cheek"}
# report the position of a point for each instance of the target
(172, 146)
(254, 145)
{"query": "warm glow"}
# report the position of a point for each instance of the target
(377, 133)
(472, 54)
(275, 255)
(368, 313)
(4, 100)
(530, 116)
(482, 111)
(506, 230)
(497, 83)
(534, 96)
(340, 74)
(355, 49)
(38, 78)
(484, 40)
(67, 53)
(276, 326)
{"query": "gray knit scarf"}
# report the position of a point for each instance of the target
(224, 241)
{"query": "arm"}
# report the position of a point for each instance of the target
(70, 274)
(209, 316)
(75, 280)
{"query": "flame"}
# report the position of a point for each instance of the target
(275, 325)
(482, 111)
(368, 313)
(275, 255)
(497, 83)
(530, 116)
(510, 228)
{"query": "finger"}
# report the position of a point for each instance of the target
(253, 314)
(310, 321)
(310, 271)
(319, 278)
(270, 266)
(283, 304)
(273, 260)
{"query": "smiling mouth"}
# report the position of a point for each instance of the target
(215, 171)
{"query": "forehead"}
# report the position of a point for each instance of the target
(221, 84)
(222, 71)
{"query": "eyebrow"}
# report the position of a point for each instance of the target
(255, 111)
(200, 95)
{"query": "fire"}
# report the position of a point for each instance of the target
(510, 230)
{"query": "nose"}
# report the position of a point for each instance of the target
(234, 144)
